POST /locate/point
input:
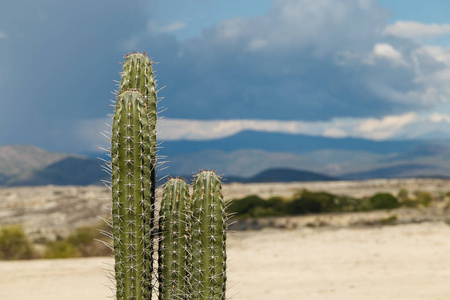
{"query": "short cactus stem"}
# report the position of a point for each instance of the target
(131, 192)
(208, 264)
(174, 253)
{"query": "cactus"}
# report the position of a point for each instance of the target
(138, 74)
(175, 217)
(193, 258)
(192, 230)
(131, 173)
(133, 159)
(208, 231)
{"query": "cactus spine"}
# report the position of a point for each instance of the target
(175, 217)
(208, 230)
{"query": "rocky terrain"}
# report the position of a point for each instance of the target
(52, 211)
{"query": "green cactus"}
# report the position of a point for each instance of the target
(138, 74)
(192, 230)
(175, 217)
(208, 264)
(133, 161)
(131, 191)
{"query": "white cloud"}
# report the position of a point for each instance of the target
(417, 30)
(258, 44)
(386, 51)
(3, 35)
(177, 129)
(409, 125)
(386, 127)
(153, 26)
(438, 118)
(370, 128)
(335, 133)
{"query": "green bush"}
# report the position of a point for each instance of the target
(60, 249)
(347, 204)
(258, 212)
(82, 243)
(383, 201)
(318, 202)
(244, 206)
(424, 198)
(391, 220)
(306, 202)
(277, 205)
(302, 206)
(403, 195)
(14, 244)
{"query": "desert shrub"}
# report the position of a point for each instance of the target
(277, 205)
(364, 204)
(87, 241)
(383, 201)
(302, 206)
(405, 200)
(244, 206)
(14, 244)
(327, 201)
(347, 204)
(317, 202)
(82, 243)
(424, 198)
(391, 220)
(60, 249)
(258, 211)
(403, 195)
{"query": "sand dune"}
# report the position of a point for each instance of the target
(392, 262)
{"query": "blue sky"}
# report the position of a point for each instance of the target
(363, 68)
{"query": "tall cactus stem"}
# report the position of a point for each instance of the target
(138, 74)
(131, 191)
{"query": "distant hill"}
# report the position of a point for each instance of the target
(242, 163)
(17, 160)
(400, 171)
(276, 175)
(68, 171)
(283, 142)
(308, 158)
(287, 175)
(29, 165)
(397, 171)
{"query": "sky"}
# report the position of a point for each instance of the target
(374, 69)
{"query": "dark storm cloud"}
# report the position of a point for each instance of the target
(303, 60)
(57, 64)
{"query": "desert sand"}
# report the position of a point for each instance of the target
(407, 262)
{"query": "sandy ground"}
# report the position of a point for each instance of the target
(392, 262)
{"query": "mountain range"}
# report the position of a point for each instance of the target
(245, 157)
